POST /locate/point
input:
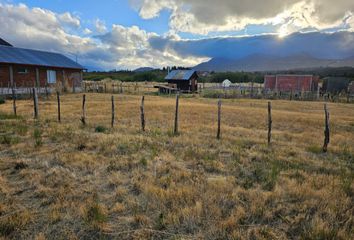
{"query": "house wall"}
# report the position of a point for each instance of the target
(64, 77)
(186, 85)
(181, 84)
(4, 76)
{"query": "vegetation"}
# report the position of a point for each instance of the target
(235, 77)
(128, 184)
(127, 76)
(214, 77)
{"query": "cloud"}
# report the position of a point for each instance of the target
(119, 48)
(321, 45)
(68, 19)
(100, 26)
(87, 31)
(205, 16)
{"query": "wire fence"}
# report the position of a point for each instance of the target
(83, 119)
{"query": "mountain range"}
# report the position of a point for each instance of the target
(260, 62)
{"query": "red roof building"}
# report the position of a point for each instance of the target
(291, 83)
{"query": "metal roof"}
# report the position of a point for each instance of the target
(34, 57)
(3, 42)
(180, 75)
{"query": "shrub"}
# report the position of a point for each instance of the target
(8, 139)
(2, 100)
(100, 129)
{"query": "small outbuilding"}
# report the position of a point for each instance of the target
(335, 85)
(183, 80)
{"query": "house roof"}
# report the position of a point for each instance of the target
(3, 42)
(15, 55)
(180, 75)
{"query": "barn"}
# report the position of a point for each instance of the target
(25, 68)
(291, 83)
(184, 80)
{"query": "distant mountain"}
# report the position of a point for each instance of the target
(259, 62)
(93, 69)
(144, 69)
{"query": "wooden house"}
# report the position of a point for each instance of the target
(183, 80)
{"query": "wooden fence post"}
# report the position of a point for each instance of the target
(35, 103)
(269, 122)
(83, 117)
(46, 91)
(176, 115)
(14, 101)
(58, 99)
(218, 135)
(142, 114)
(113, 113)
(326, 132)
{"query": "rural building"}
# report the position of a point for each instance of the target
(291, 83)
(183, 80)
(25, 68)
(335, 85)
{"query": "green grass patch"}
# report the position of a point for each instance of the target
(37, 135)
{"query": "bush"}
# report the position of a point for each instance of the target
(2, 100)
(9, 139)
(100, 129)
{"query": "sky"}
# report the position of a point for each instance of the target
(128, 34)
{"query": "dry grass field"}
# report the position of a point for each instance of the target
(68, 181)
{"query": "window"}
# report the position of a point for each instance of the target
(22, 70)
(51, 76)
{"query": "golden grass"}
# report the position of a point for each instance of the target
(67, 181)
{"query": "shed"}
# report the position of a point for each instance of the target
(184, 80)
(335, 85)
(24, 68)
